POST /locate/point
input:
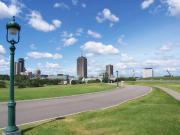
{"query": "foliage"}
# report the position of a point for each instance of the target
(94, 81)
(2, 84)
(126, 79)
(105, 78)
(4, 77)
(22, 81)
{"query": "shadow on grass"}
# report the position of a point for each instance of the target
(41, 124)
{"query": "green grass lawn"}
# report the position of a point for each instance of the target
(171, 85)
(54, 91)
(154, 114)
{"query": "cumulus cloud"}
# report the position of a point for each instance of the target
(68, 39)
(61, 5)
(40, 55)
(37, 22)
(174, 7)
(99, 48)
(2, 50)
(146, 4)
(94, 34)
(13, 9)
(106, 15)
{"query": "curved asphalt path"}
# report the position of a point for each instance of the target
(35, 110)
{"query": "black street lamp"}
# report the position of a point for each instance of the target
(12, 36)
(117, 80)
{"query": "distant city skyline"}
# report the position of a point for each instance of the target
(131, 35)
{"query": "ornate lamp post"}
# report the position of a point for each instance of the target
(12, 36)
(117, 80)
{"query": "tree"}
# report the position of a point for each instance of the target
(2, 84)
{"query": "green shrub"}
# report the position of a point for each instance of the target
(2, 84)
(94, 81)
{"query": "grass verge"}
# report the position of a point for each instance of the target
(171, 85)
(54, 91)
(154, 114)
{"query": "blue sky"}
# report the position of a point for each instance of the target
(130, 34)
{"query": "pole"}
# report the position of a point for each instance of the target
(117, 79)
(11, 103)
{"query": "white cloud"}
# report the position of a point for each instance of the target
(146, 4)
(37, 22)
(106, 15)
(121, 41)
(163, 62)
(126, 58)
(69, 41)
(2, 50)
(6, 11)
(99, 48)
(61, 5)
(40, 55)
(52, 65)
(68, 38)
(166, 48)
(173, 7)
(4, 65)
(94, 34)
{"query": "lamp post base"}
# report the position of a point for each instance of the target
(18, 132)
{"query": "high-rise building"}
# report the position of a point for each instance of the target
(109, 70)
(82, 67)
(16, 68)
(148, 73)
(21, 65)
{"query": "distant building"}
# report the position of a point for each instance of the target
(148, 73)
(82, 67)
(30, 75)
(16, 68)
(19, 67)
(109, 70)
(38, 73)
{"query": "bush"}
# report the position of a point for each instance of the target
(4, 77)
(94, 81)
(21, 85)
(2, 84)
(126, 79)
(73, 82)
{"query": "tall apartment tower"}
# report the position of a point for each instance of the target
(16, 68)
(109, 70)
(21, 65)
(82, 67)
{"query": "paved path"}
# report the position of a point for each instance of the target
(31, 111)
(173, 93)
